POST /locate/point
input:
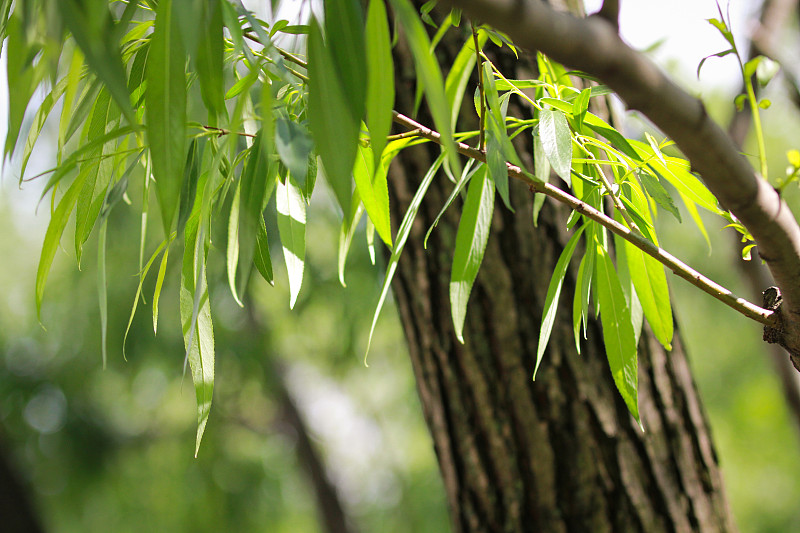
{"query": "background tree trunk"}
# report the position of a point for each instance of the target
(562, 453)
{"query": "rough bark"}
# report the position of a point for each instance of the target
(560, 454)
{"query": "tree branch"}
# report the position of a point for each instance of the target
(680, 268)
(592, 45)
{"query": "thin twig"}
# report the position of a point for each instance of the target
(222, 131)
(680, 268)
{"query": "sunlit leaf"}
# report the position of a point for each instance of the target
(618, 334)
(52, 237)
(557, 142)
(471, 239)
(380, 78)
(198, 331)
(373, 191)
(429, 75)
(291, 209)
(400, 241)
(553, 292)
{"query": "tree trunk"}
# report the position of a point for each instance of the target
(561, 453)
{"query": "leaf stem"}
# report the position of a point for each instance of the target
(222, 131)
(748, 309)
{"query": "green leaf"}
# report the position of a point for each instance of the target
(344, 36)
(346, 232)
(618, 334)
(496, 137)
(198, 331)
(210, 50)
(541, 167)
(333, 127)
(162, 270)
(291, 209)
(142, 276)
(52, 237)
(38, 121)
(294, 146)
(466, 175)
(457, 78)
(262, 259)
(400, 241)
(429, 75)
(257, 182)
(95, 31)
(166, 110)
(553, 292)
(98, 174)
(471, 239)
(580, 105)
(373, 191)
(102, 290)
(657, 192)
(380, 78)
(233, 244)
(191, 173)
(650, 281)
(557, 142)
(583, 285)
(23, 78)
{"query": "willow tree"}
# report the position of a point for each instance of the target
(511, 191)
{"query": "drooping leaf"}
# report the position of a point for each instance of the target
(333, 126)
(457, 78)
(471, 239)
(380, 76)
(262, 258)
(430, 75)
(52, 237)
(294, 146)
(618, 334)
(166, 110)
(557, 142)
(291, 209)
(496, 137)
(553, 292)
(95, 31)
(541, 166)
(344, 38)
(257, 182)
(198, 330)
(233, 244)
(209, 61)
(346, 232)
(162, 270)
(657, 192)
(400, 241)
(373, 191)
(466, 175)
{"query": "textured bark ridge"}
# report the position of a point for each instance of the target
(561, 454)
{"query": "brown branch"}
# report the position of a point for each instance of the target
(680, 268)
(593, 45)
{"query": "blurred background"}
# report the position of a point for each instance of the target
(302, 433)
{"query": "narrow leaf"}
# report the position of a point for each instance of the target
(334, 128)
(471, 239)
(291, 209)
(373, 191)
(380, 76)
(198, 331)
(618, 332)
(553, 292)
(166, 110)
